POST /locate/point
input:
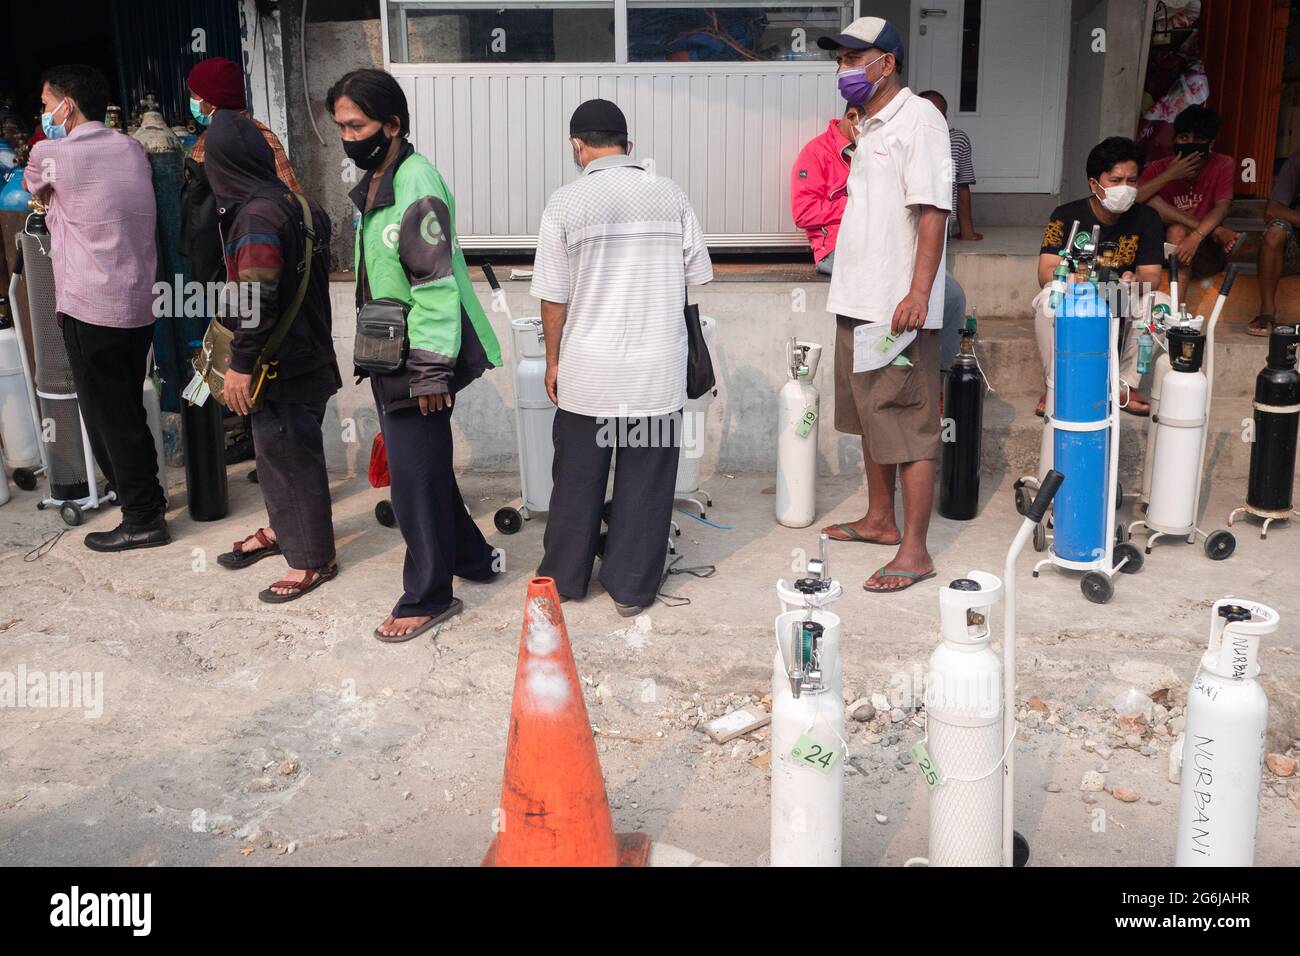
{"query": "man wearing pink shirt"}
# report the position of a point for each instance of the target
(99, 187)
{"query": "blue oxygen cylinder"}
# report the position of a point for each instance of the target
(1081, 436)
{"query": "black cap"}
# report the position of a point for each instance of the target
(1234, 612)
(965, 584)
(597, 116)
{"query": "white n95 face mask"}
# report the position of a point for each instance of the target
(1118, 199)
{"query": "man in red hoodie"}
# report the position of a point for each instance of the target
(818, 181)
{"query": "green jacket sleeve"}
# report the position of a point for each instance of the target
(425, 249)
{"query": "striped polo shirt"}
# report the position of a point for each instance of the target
(963, 171)
(618, 246)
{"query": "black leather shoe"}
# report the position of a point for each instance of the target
(126, 537)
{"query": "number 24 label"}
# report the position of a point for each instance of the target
(809, 753)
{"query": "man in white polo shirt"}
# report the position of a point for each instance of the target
(889, 252)
(615, 252)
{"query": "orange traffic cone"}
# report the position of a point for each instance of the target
(554, 810)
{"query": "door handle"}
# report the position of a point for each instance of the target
(933, 12)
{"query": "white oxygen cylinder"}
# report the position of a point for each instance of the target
(536, 414)
(17, 430)
(153, 415)
(1176, 466)
(694, 418)
(1223, 747)
(963, 707)
(807, 740)
(1046, 301)
(799, 407)
(1161, 311)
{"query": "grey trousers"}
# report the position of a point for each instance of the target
(295, 485)
(641, 510)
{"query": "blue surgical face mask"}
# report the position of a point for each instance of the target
(47, 123)
(196, 110)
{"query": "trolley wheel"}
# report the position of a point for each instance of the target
(1097, 587)
(1019, 849)
(1119, 496)
(508, 520)
(1134, 555)
(71, 514)
(1040, 537)
(384, 513)
(1220, 545)
(1023, 499)
(25, 479)
(1121, 533)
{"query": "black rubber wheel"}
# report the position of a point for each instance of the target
(1220, 545)
(25, 479)
(1019, 849)
(1023, 499)
(1097, 587)
(1121, 533)
(1119, 496)
(508, 520)
(1134, 555)
(71, 514)
(384, 514)
(1040, 537)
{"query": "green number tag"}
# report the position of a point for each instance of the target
(809, 753)
(804, 428)
(902, 360)
(925, 764)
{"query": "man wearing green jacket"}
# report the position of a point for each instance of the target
(406, 250)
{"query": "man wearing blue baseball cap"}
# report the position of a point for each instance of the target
(888, 305)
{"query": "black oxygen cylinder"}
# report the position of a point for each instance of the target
(205, 458)
(1272, 455)
(962, 432)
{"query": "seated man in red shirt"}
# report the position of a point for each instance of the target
(818, 181)
(1192, 191)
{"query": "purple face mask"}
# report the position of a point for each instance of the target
(854, 85)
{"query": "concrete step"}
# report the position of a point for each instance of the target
(1013, 436)
(1008, 354)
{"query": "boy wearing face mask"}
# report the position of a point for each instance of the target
(1192, 192)
(1132, 239)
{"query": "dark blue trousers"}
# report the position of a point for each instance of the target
(441, 538)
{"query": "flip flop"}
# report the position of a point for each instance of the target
(1262, 332)
(238, 558)
(911, 576)
(454, 608)
(313, 580)
(855, 536)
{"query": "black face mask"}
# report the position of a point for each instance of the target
(369, 152)
(1192, 149)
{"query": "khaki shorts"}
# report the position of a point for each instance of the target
(896, 408)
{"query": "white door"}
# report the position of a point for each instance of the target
(1002, 66)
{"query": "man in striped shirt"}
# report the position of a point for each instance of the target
(960, 222)
(615, 252)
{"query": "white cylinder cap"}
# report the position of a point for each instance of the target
(1236, 625)
(956, 622)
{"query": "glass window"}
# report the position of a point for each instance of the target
(970, 57)
(721, 31)
(583, 31)
(502, 32)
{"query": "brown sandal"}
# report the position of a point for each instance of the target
(1260, 325)
(314, 579)
(238, 558)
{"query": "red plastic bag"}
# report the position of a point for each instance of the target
(379, 463)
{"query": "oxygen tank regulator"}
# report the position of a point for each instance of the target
(806, 635)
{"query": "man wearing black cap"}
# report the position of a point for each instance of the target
(888, 254)
(615, 252)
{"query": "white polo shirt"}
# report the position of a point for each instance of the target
(903, 160)
(619, 246)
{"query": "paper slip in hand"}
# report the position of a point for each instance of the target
(875, 346)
